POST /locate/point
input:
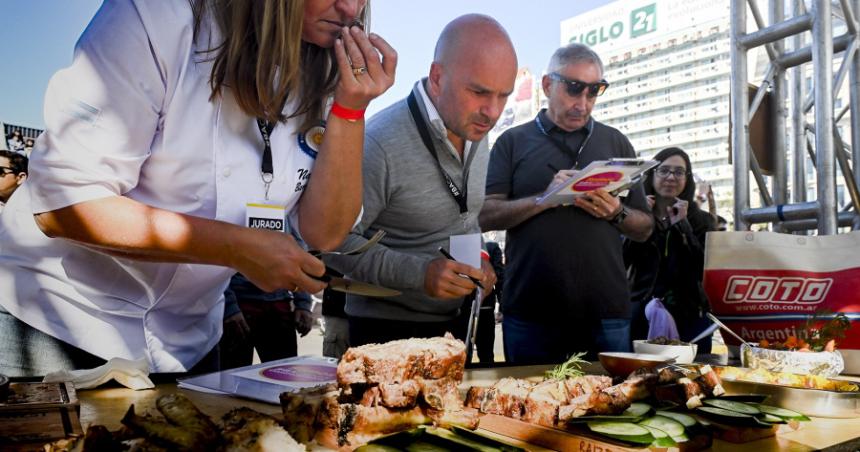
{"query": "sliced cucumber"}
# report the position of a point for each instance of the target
(771, 419)
(668, 425)
(636, 439)
(637, 409)
(685, 419)
(752, 398)
(731, 417)
(655, 432)
(618, 428)
(664, 442)
(605, 417)
(723, 412)
(739, 407)
(681, 438)
(783, 413)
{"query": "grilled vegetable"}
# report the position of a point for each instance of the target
(637, 409)
(162, 432)
(623, 431)
(731, 417)
(783, 413)
(771, 419)
(670, 426)
(178, 410)
(738, 407)
(686, 420)
(751, 398)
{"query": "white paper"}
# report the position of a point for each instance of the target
(203, 389)
(301, 373)
(614, 175)
(466, 248)
(254, 382)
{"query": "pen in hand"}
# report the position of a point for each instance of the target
(450, 257)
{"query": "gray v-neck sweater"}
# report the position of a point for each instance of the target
(405, 195)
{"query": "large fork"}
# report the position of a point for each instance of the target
(358, 250)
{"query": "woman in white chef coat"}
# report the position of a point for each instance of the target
(154, 163)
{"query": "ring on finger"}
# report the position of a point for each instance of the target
(359, 70)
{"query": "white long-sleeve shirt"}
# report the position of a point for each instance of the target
(131, 116)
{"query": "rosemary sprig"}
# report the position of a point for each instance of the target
(569, 369)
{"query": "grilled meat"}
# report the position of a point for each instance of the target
(535, 403)
(506, 398)
(403, 360)
(301, 409)
(164, 433)
(710, 381)
(383, 388)
(179, 411)
(346, 426)
(246, 430)
(611, 400)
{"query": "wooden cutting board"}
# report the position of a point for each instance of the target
(34, 414)
(570, 440)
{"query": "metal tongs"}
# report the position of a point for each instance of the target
(729, 330)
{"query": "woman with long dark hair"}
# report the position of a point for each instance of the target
(669, 264)
(180, 145)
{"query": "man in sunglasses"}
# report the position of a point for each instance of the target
(13, 173)
(566, 289)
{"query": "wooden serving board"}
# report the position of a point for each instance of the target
(550, 438)
(34, 414)
(571, 440)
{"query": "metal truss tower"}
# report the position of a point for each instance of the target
(791, 42)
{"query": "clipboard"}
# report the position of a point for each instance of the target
(613, 175)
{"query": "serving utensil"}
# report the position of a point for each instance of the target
(358, 250)
(355, 287)
(729, 330)
(709, 330)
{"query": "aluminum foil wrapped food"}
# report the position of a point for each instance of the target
(826, 364)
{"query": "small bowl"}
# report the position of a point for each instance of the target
(623, 364)
(683, 354)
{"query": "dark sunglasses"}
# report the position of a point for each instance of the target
(576, 87)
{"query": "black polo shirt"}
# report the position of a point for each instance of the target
(563, 265)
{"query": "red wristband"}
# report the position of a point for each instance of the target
(346, 113)
(485, 255)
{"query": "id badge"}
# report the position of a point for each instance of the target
(266, 216)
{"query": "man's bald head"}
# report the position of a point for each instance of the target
(461, 38)
(472, 75)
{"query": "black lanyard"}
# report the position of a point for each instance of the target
(460, 196)
(267, 170)
(563, 146)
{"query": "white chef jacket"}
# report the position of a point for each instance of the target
(131, 116)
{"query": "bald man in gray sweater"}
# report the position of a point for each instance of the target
(424, 168)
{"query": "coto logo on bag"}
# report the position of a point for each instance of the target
(769, 289)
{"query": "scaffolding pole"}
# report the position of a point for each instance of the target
(822, 70)
(854, 105)
(798, 120)
(811, 41)
(740, 114)
(778, 112)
